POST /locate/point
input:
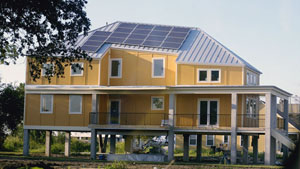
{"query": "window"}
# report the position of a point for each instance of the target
(225, 139)
(251, 106)
(75, 104)
(215, 75)
(116, 68)
(157, 103)
(76, 71)
(202, 75)
(252, 78)
(46, 103)
(208, 110)
(47, 68)
(158, 67)
(208, 75)
(210, 139)
(193, 140)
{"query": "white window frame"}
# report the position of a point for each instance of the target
(193, 138)
(41, 104)
(70, 105)
(110, 68)
(207, 140)
(164, 68)
(163, 106)
(252, 78)
(208, 111)
(208, 80)
(71, 70)
(43, 71)
(250, 113)
(227, 139)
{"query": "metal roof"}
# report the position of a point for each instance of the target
(199, 48)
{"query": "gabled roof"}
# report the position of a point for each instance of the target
(198, 48)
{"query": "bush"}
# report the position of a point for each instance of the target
(78, 146)
(117, 165)
(57, 148)
(13, 144)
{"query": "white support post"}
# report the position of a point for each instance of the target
(26, 142)
(48, 143)
(199, 147)
(186, 139)
(171, 127)
(67, 143)
(93, 143)
(255, 149)
(233, 127)
(270, 124)
(286, 127)
(94, 103)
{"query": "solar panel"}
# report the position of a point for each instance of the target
(115, 40)
(123, 30)
(171, 45)
(162, 28)
(152, 43)
(134, 41)
(101, 33)
(158, 33)
(178, 34)
(98, 38)
(141, 31)
(177, 29)
(141, 26)
(89, 48)
(155, 38)
(127, 25)
(137, 36)
(119, 34)
(174, 40)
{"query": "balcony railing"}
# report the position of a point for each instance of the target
(151, 119)
(219, 120)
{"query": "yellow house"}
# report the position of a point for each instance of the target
(149, 79)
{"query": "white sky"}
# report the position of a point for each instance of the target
(264, 33)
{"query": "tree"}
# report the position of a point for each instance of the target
(11, 109)
(45, 31)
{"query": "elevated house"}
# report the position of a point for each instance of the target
(149, 79)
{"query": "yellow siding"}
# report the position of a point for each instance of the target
(187, 75)
(137, 68)
(187, 105)
(104, 70)
(90, 76)
(60, 115)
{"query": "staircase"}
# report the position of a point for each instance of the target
(285, 140)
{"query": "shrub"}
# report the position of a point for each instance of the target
(57, 148)
(117, 165)
(13, 143)
(78, 146)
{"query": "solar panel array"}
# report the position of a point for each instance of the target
(139, 34)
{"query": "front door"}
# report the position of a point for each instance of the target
(114, 111)
(208, 112)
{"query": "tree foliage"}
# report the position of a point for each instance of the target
(11, 109)
(45, 31)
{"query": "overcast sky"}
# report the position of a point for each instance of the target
(266, 33)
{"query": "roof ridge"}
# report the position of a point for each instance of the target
(157, 24)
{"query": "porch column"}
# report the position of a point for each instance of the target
(26, 142)
(171, 127)
(199, 147)
(270, 124)
(255, 149)
(48, 143)
(67, 143)
(128, 144)
(94, 103)
(186, 139)
(286, 127)
(93, 143)
(245, 149)
(94, 118)
(233, 127)
(112, 144)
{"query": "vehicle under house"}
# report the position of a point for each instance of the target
(159, 80)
